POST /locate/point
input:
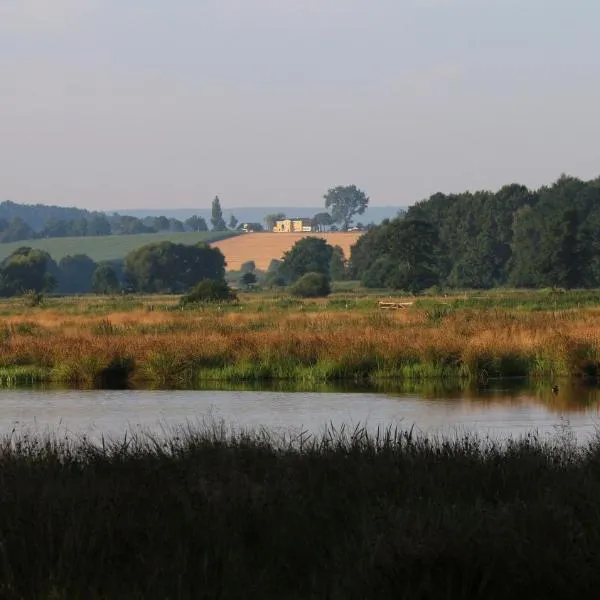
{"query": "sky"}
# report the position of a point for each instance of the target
(115, 104)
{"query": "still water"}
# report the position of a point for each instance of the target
(500, 410)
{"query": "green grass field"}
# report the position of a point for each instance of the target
(110, 247)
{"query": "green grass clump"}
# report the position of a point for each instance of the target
(210, 514)
(23, 375)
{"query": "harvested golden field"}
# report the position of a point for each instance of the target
(262, 248)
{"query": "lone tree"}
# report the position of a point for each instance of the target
(345, 202)
(233, 222)
(218, 223)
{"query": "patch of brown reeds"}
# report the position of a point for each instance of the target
(494, 341)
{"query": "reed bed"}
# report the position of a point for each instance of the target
(300, 341)
(209, 513)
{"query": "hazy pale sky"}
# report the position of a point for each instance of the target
(162, 104)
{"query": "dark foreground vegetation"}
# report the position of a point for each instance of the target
(209, 515)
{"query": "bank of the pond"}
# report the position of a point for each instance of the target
(206, 514)
(176, 370)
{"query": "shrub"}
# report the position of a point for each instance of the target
(33, 298)
(209, 290)
(311, 285)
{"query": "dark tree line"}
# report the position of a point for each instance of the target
(515, 236)
(32, 270)
(17, 229)
(158, 267)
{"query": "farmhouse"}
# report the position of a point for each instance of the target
(298, 225)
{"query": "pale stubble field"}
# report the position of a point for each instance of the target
(262, 248)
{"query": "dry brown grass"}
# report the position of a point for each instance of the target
(277, 342)
(262, 248)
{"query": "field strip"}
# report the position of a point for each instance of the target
(264, 247)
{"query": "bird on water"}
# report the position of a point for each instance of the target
(555, 389)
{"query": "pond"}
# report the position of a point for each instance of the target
(499, 410)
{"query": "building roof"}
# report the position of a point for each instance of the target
(305, 219)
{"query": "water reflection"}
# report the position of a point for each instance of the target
(500, 408)
(571, 396)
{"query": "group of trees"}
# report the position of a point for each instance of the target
(308, 267)
(22, 222)
(32, 270)
(17, 229)
(516, 236)
(169, 267)
(157, 267)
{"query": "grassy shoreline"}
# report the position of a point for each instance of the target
(214, 514)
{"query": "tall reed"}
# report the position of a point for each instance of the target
(207, 513)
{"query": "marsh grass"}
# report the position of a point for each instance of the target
(210, 513)
(273, 337)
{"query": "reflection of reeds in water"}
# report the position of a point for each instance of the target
(247, 343)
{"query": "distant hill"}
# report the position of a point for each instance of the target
(38, 215)
(256, 214)
(109, 247)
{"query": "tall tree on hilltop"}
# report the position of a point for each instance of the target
(345, 202)
(217, 221)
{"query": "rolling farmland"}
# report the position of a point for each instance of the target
(109, 247)
(264, 247)
(259, 247)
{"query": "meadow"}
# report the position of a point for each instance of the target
(210, 513)
(121, 340)
(110, 247)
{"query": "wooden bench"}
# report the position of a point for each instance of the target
(393, 305)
